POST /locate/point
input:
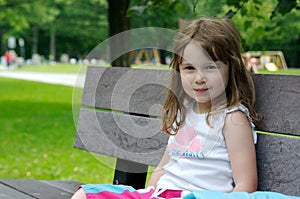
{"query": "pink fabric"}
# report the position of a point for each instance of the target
(107, 191)
(125, 195)
(168, 194)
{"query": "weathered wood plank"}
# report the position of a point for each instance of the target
(65, 185)
(123, 136)
(278, 99)
(37, 189)
(125, 89)
(10, 193)
(278, 162)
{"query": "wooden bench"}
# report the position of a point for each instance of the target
(120, 117)
(37, 189)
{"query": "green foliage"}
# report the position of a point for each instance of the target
(29, 12)
(260, 31)
(79, 25)
(162, 13)
(283, 7)
(211, 8)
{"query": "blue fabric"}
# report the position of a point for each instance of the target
(92, 188)
(237, 195)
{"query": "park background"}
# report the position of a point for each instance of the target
(37, 125)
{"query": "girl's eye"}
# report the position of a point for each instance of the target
(211, 67)
(189, 67)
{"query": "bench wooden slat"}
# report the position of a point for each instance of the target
(128, 90)
(278, 99)
(66, 185)
(10, 193)
(119, 135)
(38, 189)
(278, 164)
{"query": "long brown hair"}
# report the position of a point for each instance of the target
(221, 40)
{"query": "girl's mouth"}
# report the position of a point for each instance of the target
(201, 90)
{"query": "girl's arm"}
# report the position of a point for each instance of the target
(158, 171)
(240, 145)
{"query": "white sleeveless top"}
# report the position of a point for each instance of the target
(199, 159)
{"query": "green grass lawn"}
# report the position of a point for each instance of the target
(50, 68)
(37, 134)
(290, 71)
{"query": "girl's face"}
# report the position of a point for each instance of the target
(202, 78)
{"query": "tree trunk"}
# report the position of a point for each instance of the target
(119, 22)
(52, 55)
(35, 39)
(2, 47)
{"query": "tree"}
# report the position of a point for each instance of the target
(48, 26)
(86, 26)
(53, 27)
(10, 23)
(12, 4)
(283, 6)
(119, 21)
(164, 14)
(263, 27)
(26, 20)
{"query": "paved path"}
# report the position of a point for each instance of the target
(51, 78)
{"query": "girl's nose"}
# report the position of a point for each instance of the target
(200, 77)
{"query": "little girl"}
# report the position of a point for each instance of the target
(209, 116)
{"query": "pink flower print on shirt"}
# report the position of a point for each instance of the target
(186, 143)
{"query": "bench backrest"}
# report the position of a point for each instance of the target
(120, 117)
